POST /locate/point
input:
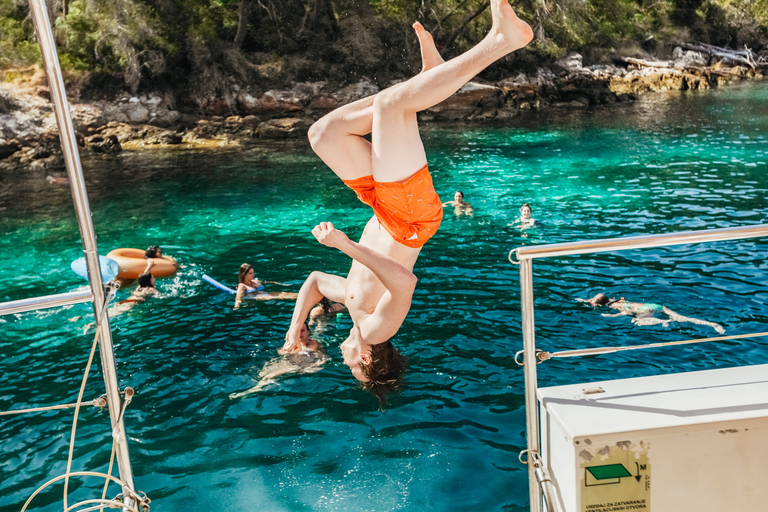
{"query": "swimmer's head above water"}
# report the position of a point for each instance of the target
(600, 299)
(146, 280)
(458, 196)
(525, 211)
(245, 273)
(379, 368)
(153, 251)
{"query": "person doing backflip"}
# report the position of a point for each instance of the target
(390, 174)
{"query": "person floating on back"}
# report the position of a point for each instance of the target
(309, 359)
(644, 313)
(390, 174)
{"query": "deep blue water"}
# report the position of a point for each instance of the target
(314, 442)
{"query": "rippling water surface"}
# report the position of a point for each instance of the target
(314, 442)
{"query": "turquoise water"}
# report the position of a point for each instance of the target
(314, 442)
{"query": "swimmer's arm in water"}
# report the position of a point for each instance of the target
(398, 280)
(317, 286)
(239, 295)
(620, 313)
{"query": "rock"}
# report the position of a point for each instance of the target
(108, 145)
(472, 99)
(217, 107)
(354, 92)
(690, 60)
(136, 113)
(323, 102)
(86, 116)
(571, 63)
(281, 101)
(282, 128)
(153, 101)
(8, 147)
(250, 120)
(7, 102)
(247, 104)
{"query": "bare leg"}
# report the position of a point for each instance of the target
(430, 57)
(675, 317)
(337, 138)
(397, 149)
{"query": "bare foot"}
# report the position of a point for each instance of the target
(514, 32)
(430, 57)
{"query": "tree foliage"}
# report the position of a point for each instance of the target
(207, 48)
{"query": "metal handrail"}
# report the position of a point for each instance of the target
(640, 242)
(96, 294)
(47, 301)
(527, 254)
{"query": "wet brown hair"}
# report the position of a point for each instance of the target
(244, 268)
(385, 372)
(325, 303)
(145, 280)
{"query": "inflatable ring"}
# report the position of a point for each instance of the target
(132, 263)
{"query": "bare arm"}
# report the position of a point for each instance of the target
(317, 286)
(398, 280)
(239, 295)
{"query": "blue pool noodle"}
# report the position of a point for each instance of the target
(217, 284)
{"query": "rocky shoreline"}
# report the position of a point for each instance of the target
(28, 135)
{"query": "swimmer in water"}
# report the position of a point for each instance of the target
(525, 220)
(142, 292)
(309, 359)
(153, 254)
(643, 313)
(459, 205)
(247, 283)
(389, 173)
(326, 308)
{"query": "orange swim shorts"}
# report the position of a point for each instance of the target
(410, 211)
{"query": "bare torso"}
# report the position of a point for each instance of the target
(363, 289)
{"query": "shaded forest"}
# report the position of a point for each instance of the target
(204, 48)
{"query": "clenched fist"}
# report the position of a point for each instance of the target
(328, 235)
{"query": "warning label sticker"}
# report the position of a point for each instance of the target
(615, 478)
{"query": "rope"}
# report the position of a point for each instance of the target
(109, 470)
(543, 356)
(136, 503)
(78, 473)
(99, 402)
(109, 297)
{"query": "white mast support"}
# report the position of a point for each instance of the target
(531, 403)
(87, 234)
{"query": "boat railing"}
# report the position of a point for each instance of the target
(539, 485)
(96, 293)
